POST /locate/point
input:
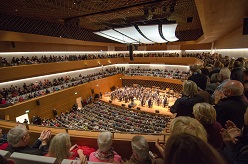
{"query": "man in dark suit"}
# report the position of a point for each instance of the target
(197, 77)
(230, 105)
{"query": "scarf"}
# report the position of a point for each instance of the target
(105, 156)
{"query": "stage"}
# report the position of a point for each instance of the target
(161, 109)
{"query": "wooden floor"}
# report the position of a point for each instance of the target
(161, 110)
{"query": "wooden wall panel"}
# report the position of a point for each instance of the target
(232, 40)
(20, 72)
(164, 60)
(61, 100)
(25, 71)
(29, 46)
(174, 81)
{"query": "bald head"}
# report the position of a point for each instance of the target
(233, 88)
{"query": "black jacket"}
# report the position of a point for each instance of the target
(233, 109)
(35, 150)
(184, 105)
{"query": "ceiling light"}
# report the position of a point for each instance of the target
(147, 34)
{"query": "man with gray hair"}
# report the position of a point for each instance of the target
(230, 105)
(141, 154)
(226, 74)
(18, 138)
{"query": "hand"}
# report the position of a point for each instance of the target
(73, 147)
(218, 95)
(45, 135)
(227, 138)
(232, 129)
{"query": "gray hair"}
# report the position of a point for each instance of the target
(16, 134)
(226, 73)
(104, 141)
(140, 147)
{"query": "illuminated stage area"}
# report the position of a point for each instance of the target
(152, 100)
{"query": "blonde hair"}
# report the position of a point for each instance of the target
(104, 141)
(204, 113)
(190, 88)
(60, 147)
(188, 125)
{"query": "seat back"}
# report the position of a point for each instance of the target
(21, 158)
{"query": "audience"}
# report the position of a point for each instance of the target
(184, 124)
(199, 78)
(60, 148)
(236, 140)
(185, 148)
(3, 141)
(229, 103)
(18, 138)
(237, 71)
(206, 115)
(15, 94)
(184, 105)
(140, 153)
(102, 116)
(105, 152)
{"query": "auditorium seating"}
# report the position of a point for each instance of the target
(20, 158)
(5, 154)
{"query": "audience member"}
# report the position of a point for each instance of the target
(184, 124)
(184, 105)
(140, 153)
(225, 73)
(230, 104)
(18, 138)
(105, 152)
(237, 71)
(3, 141)
(198, 77)
(60, 148)
(206, 115)
(215, 81)
(185, 148)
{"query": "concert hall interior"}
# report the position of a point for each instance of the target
(111, 76)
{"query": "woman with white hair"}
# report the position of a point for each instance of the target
(105, 152)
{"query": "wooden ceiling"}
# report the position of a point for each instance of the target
(77, 19)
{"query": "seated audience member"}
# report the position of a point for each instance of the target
(105, 152)
(184, 105)
(184, 124)
(3, 141)
(141, 154)
(18, 138)
(206, 115)
(198, 77)
(188, 149)
(230, 104)
(60, 148)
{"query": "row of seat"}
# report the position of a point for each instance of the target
(21, 158)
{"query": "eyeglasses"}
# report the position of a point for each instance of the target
(245, 81)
